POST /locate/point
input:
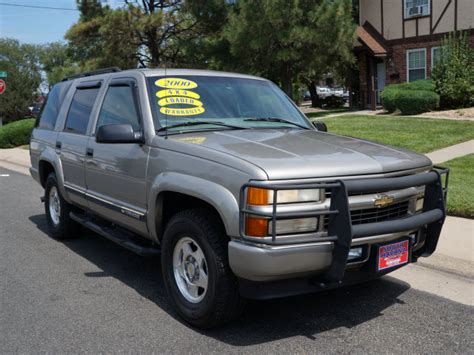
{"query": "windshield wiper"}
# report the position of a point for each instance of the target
(197, 123)
(275, 119)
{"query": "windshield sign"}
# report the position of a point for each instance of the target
(182, 102)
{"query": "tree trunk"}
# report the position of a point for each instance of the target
(152, 44)
(315, 101)
(151, 36)
(287, 81)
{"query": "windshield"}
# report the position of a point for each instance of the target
(181, 103)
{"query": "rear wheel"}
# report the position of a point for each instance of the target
(60, 225)
(197, 276)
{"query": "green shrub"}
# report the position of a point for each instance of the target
(411, 102)
(453, 75)
(16, 133)
(388, 97)
(427, 85)
(410, 98)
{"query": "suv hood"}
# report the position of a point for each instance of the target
(293, 154)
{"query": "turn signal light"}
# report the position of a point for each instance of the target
(256, 227)
(257, 196)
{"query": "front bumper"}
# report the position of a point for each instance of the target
(270, 263)
(328, 256)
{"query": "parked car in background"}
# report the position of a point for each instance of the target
(323, 91)
(35, 109)
(306, 96)
(338, 92)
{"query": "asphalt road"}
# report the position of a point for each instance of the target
(90, 295)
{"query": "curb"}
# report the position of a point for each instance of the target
(450, 265)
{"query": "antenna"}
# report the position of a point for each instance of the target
(166, 112)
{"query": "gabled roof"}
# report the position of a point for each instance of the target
(373, 40)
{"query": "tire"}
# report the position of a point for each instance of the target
(203, 232)
(60, 225)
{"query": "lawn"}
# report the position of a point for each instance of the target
(422, 135)
(461, 186)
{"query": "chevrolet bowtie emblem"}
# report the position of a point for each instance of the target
(383, 200)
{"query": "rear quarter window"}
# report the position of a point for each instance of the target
(80, 110)
(50, 110)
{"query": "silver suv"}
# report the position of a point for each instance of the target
(223, 176)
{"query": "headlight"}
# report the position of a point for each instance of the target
(261, 227)
(290, 226)
(259, 196)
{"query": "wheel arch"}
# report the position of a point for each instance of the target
(173, 192)
(47, 163)
(44, 169)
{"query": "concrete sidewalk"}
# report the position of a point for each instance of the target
(16, 159)
(454, 151)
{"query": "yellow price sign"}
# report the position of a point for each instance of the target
(177, 92)
(175, 83)
(182, 111)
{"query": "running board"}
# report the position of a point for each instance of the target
(123, 238)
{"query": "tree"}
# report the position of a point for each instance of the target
(85, 41)
(145, 33)
(453, 74)
(204, 46)
(333, 44)
(289, 40)
(21, 62)
(90, 9)
(56, 62)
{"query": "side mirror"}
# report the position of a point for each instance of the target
(118, 133)
(320, 126)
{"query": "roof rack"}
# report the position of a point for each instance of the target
(93, 72)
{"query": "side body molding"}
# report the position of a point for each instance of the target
(216, 195)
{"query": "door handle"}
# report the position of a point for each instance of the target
(90, 152)
(58, 145)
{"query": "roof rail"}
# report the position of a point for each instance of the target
(93, 72)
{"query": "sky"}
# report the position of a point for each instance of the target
(35, 25)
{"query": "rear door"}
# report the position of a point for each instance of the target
(44, 135)
(71, 143)
(116, 173)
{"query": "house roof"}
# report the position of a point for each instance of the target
(372, 40)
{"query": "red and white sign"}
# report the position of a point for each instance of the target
(392, 255)
(3, 86)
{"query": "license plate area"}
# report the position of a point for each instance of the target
(392, 255)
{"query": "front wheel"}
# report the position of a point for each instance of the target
(196, 272)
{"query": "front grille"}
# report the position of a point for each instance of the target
(372, 215)
(327, 194)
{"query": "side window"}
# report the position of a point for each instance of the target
(417, 8)
(50, 110)
(435, 56)
(80, 110)
(416, 64)
(119, 107)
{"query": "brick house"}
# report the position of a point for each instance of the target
(398, 41)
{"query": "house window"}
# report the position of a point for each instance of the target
(416, 64)
(415, 8)
(435, 56)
